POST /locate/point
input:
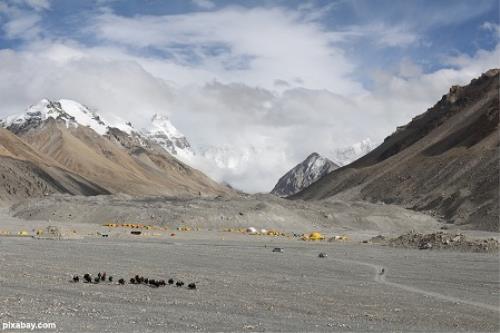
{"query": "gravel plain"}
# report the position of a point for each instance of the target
(242, 285)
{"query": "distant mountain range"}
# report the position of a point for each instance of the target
(98, 155)
(445, 161)
(303, 174)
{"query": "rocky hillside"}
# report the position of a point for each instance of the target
(445, 161)
(26, 173)
(303, 174)
(115, 156)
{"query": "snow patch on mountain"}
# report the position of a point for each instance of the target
(81, 115)
(162, 132)
(71, 112)
(74, 114)
(346, 155)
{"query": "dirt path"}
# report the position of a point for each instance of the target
(381, 278)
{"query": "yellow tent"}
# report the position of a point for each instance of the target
(316, 236)
(313, 236)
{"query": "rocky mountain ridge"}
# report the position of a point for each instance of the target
(444, 161)
(303, 174)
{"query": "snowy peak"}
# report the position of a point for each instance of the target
(303, 174)
(99, 152)
(161, 124)
(346, 155)
(82, 115)
(71, 112)
(162, 132)
(316, 165)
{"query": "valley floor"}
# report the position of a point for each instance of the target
(242, 284)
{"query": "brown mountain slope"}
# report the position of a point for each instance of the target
(445, 161)
(154, 157)
(26, 173)
(105, 161)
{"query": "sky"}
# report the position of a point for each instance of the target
(266, 82)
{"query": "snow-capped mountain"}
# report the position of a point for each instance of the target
(112, 154)
(346, 155)
(72, 113)
(303, 174)
(222, 162)
(162, 132)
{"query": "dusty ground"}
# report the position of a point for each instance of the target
(242, 284)
(359, 219)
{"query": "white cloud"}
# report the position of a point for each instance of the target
(265, 132)
(493, 27)
(394, 36)
(409, 69)
(266, 86)
(205, 4)
(37, 5)
(481, 60)
(23, 27)
(383, 35)
(113, 87)
(397, 98)
(20, 22)
(256, 46)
